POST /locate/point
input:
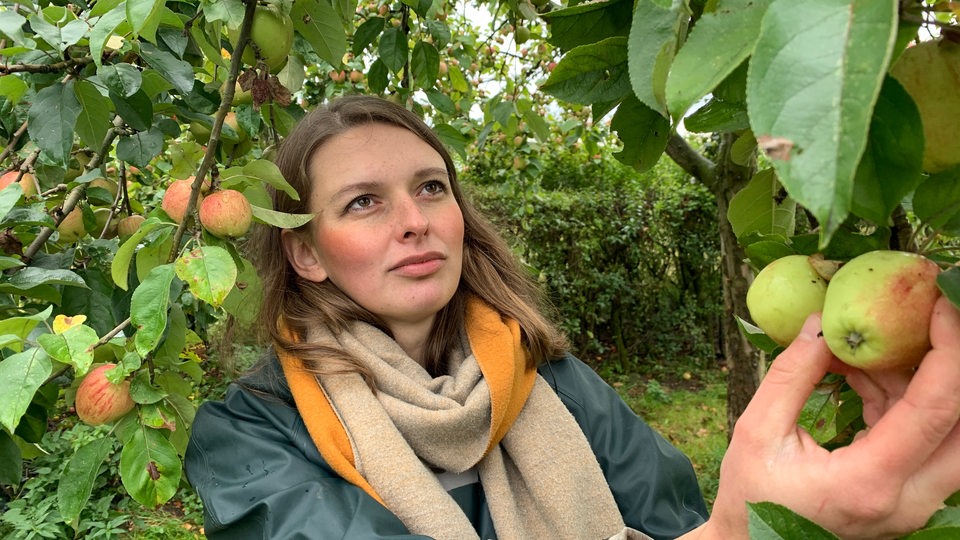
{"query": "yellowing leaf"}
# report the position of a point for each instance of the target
(62, 323)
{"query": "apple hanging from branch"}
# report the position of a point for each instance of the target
(100, 401)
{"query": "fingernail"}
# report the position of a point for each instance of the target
(811, 328)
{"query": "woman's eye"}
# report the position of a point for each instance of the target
(434, 187)
(360, 203)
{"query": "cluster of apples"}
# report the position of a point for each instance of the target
(875, 308)
(225, 213)
(108, 223)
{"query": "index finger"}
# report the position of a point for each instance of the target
(917, 424)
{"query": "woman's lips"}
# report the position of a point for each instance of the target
(419, 265)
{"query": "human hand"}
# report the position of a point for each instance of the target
(888, 481)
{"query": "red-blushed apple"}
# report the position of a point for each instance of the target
(226, 213)
(27, 181)
(783, 294)
(177, 197)
(129, 225)
(100, 401)
(876, 314)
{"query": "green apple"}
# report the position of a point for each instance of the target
(783, 295)
(877, 311)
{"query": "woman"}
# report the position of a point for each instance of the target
(419, 391)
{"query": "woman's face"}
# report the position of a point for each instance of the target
(388, 231)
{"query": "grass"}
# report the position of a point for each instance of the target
(689, 411)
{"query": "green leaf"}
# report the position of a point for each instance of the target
(174, 339)
(137, 110)
(722, 39)
(762, 206)
(366, 33)
(536, 122)
(245, 297)
(228, 11)
(122, 79)
(280, 219)
(33, 276)
(394, 49)
(769, 521)
(210, 273)
(589, 22)
(120, 266)
(937, 201)
(813, 122)
(11, 461)
(591, 73)
(718, 116)
(9, 198)
(819, 415)
(60, 35)
(12, 86)
(892, 163)
(106, 26)
(260, 171)
(452, 138)
(318, 22)
(652, 45)
(22, 326)
(149, 467)
(442, 102)
(144, 16)
(77, 479)
(141, 147)
(943, 525)
(73, 347)
(183, 413)
(142, 391)
(94, 119)
(52, 119)
(643, 131)
(949, 283)
(425, 64)
(21, 375)
(176, 71)
(148, 308)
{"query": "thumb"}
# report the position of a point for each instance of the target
(791, 379)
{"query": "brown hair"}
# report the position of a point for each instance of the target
(490, 270)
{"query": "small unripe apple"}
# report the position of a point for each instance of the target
(356, 76)
(71, 226)
(783, 294)
(106, 184)
(272, 33)
(177, 197)
(100, 401)
(226, 214)
(106, 223)
(876, 314)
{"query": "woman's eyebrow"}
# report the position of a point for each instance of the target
(431, 171)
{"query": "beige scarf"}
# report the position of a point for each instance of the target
(540, 477)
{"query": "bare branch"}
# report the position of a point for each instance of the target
(691, 161)
(55, 67)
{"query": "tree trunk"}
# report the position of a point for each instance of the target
(725, 178)
(743, 359)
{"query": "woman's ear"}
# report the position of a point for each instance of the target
(302, 256)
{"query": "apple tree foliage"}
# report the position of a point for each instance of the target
(142, 92)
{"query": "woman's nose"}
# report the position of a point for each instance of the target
(412, 221)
